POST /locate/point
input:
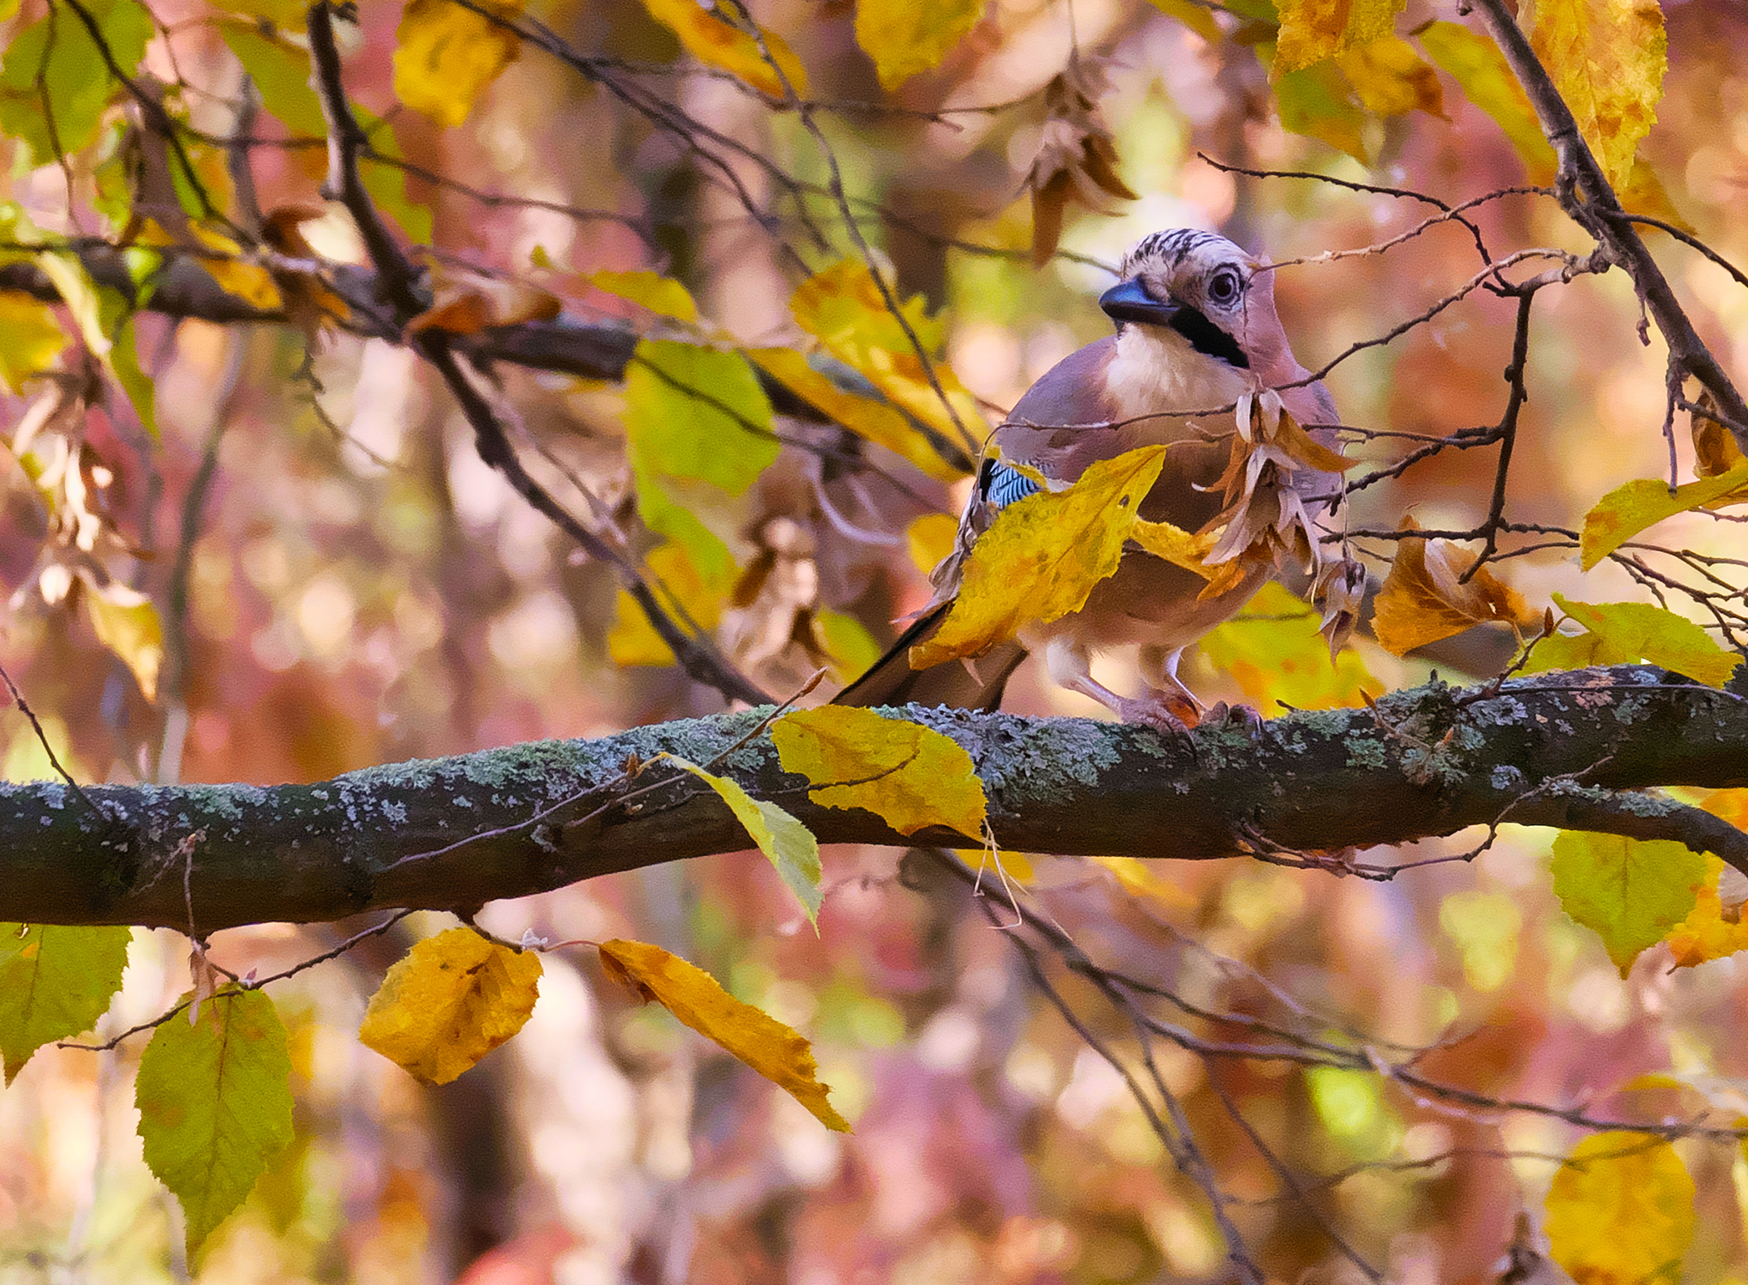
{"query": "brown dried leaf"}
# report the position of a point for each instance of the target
(1424, 597)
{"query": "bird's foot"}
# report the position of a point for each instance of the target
(1246, 717)
(1169, 713)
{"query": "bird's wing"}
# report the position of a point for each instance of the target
(891, 680)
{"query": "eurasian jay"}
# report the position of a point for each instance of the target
(1196, 330)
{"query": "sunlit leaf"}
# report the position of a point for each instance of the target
(1623, 633)
(30, 337)
(55, 57)
(1644, 193)
(54, 982)
(929, 539)
(1607, 59)
(904, 37)
(1318, 101)
(1620, 1211)
(1715, 449)
(662, 295)
(214, 1098)
(1629, 892)
(1478, 67)
(852, 649)
(842, 307)
(697, 413)
(876, 421)
(1424, 597)
(1627, 510)
(127, 623)
(1275, 652)
(80, 294)
(1312, 30)
(908, 775)
(445, 54)
(1042, 556)
(774, 1050)
(633, 640)
(1708, 932)
(786, 843)
(1176, 546)
(448, 1002)
(1390, 78)
(715, 41)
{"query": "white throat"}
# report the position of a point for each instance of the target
(1156, 370)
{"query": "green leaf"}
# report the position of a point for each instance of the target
(281, 72)
(789, 845)
(1629, 892)
(214, 1098)
(55, 58)
(54, 982)
(1623, 633)
(1628, 510)
(1317, 101)
(30, 338)
(124, 360)
(1478, 67)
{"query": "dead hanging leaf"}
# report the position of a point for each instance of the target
(1076, 160)
(1424, 597)
(1341, 588)
(309, 302)
(465, 303)
(774, 1050)
(1715, 449)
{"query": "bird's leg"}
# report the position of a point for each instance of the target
(1069, 666)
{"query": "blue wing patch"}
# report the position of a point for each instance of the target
(1003, 485)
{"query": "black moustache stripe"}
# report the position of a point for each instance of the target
(1206, 337)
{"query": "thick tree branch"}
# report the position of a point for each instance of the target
(1556, 749)
(1585, 195)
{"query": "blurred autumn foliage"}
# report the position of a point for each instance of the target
(390, 383)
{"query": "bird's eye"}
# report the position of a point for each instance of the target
(1223, 287)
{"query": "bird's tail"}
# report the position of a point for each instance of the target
(891, 680)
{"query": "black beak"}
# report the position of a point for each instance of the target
(1127, 301)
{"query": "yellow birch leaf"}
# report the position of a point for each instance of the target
(30, 338)
(1198, 18)
(1607, 58)
(1042, 556)
(907, 775)
(777, 1052)
(661, 295)
(1624, 633)
(1627, 510)
(1478, 67)
(786, 843)
(842, 307)
(1391, 79)
(445, 53)
(931, 538)
(633, 640)
(1706, 934)
(1424, 597)
(1177, 546)
(1312, 30)
(904, 37)
(878, 422)
(448, 1002)
(1644, 193)
(711, 40)
(1629, 892)
(1620, 1211)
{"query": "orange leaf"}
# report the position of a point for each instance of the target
(1424, 599)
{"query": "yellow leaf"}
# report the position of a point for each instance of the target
(1478, 67)
(931, 538)
(848, 644)
(1707, 933)
(1391, 79)
(904, 37)
(1043, 555)
(1143, 879)
(1715, 449)
(1312, 30)
(127, 623)
(1620, 1211)
(907, 775)
(445, 53)
(1629, 892)
(1198, 18)
(79, 293)
(721, 44)
(30, 338)
(633, 640)
(662, 295)
(777, 1052)
(786, 843)
(1318, 102)
(1274, 650)
(1176, 546)
(876, 421)
(1627, 510)
(1644, 193)
(1623, 633)
(448, 1002)
(842, 307)
(250, 282)
(1607, 58)
(1424, 598)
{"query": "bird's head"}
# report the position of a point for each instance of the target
(1206, 289)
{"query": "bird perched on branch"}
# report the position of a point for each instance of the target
(1196, 330)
